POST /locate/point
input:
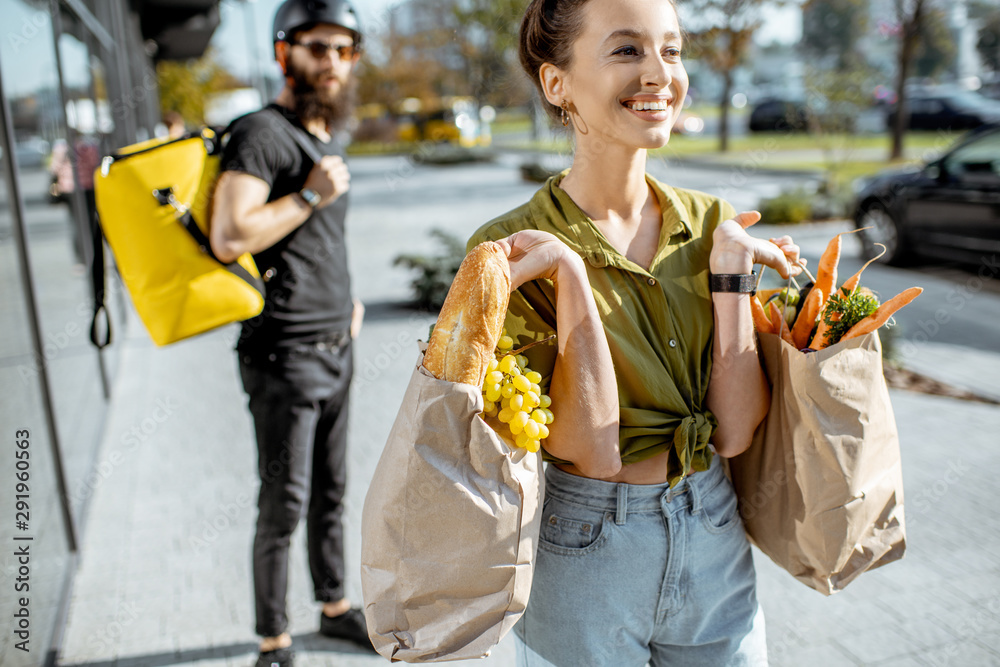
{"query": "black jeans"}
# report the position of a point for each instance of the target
(299, 401)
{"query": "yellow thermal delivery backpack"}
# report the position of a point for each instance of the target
(154, 199)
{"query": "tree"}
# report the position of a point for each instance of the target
(439, 48)
(487, 34)
(835, 96)
(831, 30)
(721, 34)
(936, 45)
(988, 42)
(910, 16)
(185, 85)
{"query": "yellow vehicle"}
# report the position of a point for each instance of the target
(456, 120)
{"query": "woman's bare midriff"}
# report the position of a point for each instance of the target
(650, 471)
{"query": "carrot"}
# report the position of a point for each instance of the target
(786, 335)
(826, 272)
(807, 318)
(884, 312)
(760, 321)
(819, 340)
(852, 282)
(778, 323)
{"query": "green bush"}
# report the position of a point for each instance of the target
(434, 273)
(789, 207)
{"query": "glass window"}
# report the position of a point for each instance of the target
(979, 161)
(23, 420)
(58, 147)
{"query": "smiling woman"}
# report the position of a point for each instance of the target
(642, 556)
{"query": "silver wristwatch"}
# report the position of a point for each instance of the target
(311, 196)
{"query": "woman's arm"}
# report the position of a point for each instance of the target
(583, 387)
(738, 394)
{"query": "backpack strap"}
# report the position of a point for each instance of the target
(99, 285)
(187, 221)
(300, 137)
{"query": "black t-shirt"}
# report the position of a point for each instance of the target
(308, 288)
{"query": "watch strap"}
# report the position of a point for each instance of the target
(741, 283)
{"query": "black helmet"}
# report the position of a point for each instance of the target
(294, 14)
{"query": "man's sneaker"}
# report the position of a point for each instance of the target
(350, 626)
(279, 657)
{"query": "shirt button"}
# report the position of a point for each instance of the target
(672, 343)
(651, 281)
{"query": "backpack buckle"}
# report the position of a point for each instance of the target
(165, 196)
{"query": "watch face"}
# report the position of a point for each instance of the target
(311, 196)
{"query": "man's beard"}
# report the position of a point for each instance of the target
(312, 103)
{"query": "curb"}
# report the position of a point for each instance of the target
(746, 164)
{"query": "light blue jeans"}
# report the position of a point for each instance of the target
(632, 574)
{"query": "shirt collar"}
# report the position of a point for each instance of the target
(674, 212)
(552, 203)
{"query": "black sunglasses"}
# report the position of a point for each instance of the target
(346, 52)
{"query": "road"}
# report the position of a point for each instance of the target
(960, 304)
(403, 200)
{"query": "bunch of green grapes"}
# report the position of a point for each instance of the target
(512, 395)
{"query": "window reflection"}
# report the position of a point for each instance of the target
(59, 144)
(22, 411)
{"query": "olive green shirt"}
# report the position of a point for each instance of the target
(659, 322)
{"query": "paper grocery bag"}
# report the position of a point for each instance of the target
(821, 488)
(449, 528)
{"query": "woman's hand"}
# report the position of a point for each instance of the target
(534, 254)
(357, 317)
(735, 251)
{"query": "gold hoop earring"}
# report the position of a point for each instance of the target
(564, 113)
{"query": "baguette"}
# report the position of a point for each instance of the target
(472, 317)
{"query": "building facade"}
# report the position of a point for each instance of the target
(77, 81)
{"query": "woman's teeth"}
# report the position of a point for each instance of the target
(647, 106)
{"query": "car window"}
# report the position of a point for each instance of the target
(925, 106)
(978, 161)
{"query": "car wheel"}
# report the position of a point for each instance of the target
(881, 228)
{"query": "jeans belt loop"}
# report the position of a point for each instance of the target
(621, 507)
(695, 497)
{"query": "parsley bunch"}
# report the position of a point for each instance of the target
(843, 310)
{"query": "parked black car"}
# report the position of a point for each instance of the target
(793, 115)
(949, 208)
(776, 115)
(955, 110)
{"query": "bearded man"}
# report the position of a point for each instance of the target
(275, 202)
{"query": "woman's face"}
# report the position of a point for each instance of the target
(626, 81)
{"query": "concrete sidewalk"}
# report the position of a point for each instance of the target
(164, 576)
